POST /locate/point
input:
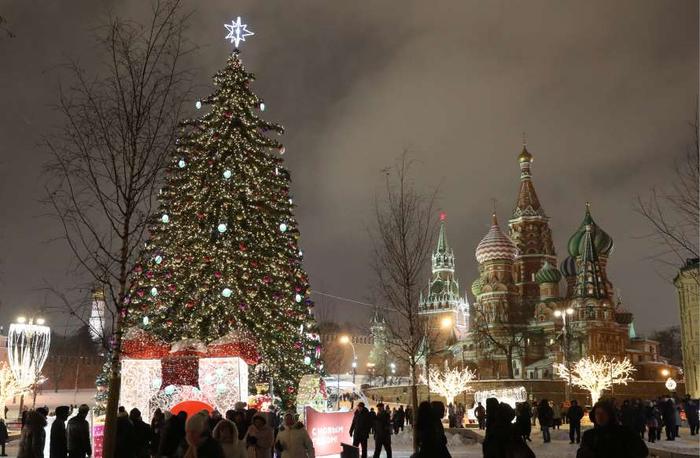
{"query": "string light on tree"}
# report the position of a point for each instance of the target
(252, 278)
(450, 382)
(597, 375)
(9, 386)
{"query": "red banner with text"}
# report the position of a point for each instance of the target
(328, 430)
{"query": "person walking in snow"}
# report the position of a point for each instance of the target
(545, 416)
(609, 439)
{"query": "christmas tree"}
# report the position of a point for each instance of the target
(223, 251)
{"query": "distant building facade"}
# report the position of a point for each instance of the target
(687, 282)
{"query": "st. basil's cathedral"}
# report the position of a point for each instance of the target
(520, 322)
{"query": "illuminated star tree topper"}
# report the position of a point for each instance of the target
(237, 31)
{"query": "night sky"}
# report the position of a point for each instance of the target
(604, 90)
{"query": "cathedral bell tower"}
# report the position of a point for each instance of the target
(529, 229)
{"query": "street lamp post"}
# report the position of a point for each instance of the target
(348, 340)
(563, 314)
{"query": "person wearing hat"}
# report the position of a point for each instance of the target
(293, 440)
(58, 443)
(259, 438)
(199, 440)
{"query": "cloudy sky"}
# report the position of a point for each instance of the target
(605, 91)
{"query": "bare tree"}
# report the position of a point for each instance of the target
(500, 332)
(674, 214)
(4, 31)
(403, 238)
(119, 129)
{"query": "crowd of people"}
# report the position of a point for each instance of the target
(240, 433)
(618, 430)
(384, 422)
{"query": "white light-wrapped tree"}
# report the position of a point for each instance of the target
(596, 375)
(9, 386)
(450, 382)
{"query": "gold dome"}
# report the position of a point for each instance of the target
(525, 155)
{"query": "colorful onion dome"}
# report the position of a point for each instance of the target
(495, 245)
(548, 274)
(602, 242)
(568, 267)
(525, 155)
(476, 287)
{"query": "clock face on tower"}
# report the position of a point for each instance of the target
(437, 287)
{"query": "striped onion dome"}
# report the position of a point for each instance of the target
(568, 267)
(548, 274)
(495, 245)
(602, 242)
(476, 287)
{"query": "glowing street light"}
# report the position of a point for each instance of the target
(446, 322)
(345, 340)
(665, 372)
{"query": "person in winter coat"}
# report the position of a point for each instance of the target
(503, 438)
(259, 439)
(651, 416)
(293, 440)
(78, 434)
(556, 415)
(200, 444)
(157, 424)
(545, 416)
(574, 414)
(142, 434)
(226, 434)
(522, 420)
(33, 437)
(399, 419)
(172, 439)
(361, 427)
(491, 409)
(382, 431)
(430, 441)
(238, 418)
(691, 414)
(608, 439)
(58, 442)
(480, 414)
(669, 416)
(3, 435)
(126, 439)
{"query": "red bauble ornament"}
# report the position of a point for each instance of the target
(189, 304)
(290, 389)
(242, 246)
(266, 279)
(217, 274)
